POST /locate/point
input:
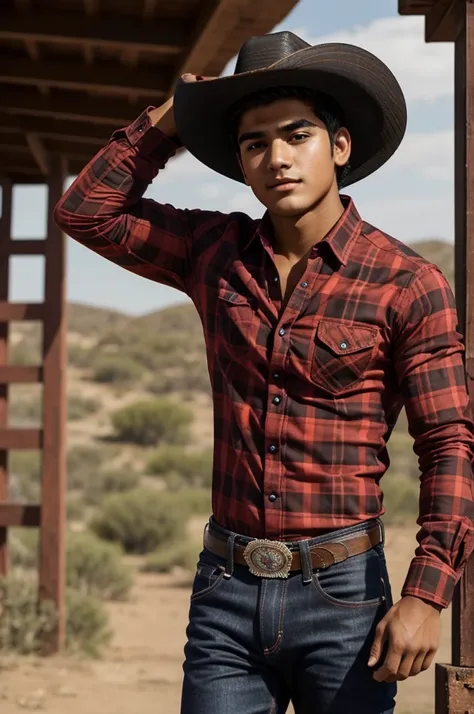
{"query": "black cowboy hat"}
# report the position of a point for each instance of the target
(370, 97)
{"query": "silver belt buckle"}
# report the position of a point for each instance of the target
(268, 558)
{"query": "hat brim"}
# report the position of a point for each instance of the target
(368, 93)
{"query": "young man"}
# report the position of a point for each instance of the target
(319, 328)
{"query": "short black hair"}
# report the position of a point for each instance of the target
(323, 106)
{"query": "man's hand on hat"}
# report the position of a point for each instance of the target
(163, 117)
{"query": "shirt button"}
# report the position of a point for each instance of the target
(276, 375)
(272, 497)
(276, 400)
(304, 285)
(281, 331)
(272, 448)
(275, 279)
(344, 345)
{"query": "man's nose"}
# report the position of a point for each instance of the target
(279, 155)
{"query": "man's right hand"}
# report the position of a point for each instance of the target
(163, 117)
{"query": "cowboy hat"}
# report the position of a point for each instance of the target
(367, 92)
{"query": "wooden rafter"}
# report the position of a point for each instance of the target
(164, 37)
(67, 106)
(441, 21)
(69, 74)
(48, 128)
(38, 152)
(216, 17)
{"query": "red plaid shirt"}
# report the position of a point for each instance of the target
(305, 398)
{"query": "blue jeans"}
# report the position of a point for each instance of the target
(255, 643)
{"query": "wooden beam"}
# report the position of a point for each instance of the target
(53, 472)
(149, 8)
(215, 22)
(69, 74)
(5, 238)
(414, 7)
(30, 246)
(65, 106)
(88, 54)
(440, 23)
(32, 49)
(21, 439)
(39, 152)
(16, 515)
(68, 131)
(463, 603)
(117, 32)
(19, 312)
(19, 374)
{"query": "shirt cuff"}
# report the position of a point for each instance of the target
(148, 138)
(430, 580)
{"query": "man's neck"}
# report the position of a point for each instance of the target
(295, 236)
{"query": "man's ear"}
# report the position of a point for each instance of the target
(242, 168)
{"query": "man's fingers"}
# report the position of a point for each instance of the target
(406, 666)
(428, 660)
(417, 664)
(379, 639)
(390, 666)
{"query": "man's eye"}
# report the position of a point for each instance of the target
(255, 145)
(299, 136)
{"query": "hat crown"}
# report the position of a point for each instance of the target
(264, 50)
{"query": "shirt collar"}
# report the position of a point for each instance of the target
(340, 238)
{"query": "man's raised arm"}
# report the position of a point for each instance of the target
(104, 208)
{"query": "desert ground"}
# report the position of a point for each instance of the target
(141, 671)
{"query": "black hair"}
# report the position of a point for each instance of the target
(323, 106)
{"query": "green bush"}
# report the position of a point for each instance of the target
(109, 369)
(139, 520)
(191, 468)
(23, 623)
(149, 423)
(87, 624)
(79, 356)
(23, 547)
(83, 462)
(26, 411)
(25, 476)
(80, 407)
(75, 506)
(195, 501)
(107, 482)
(179, 555)
(96, 568)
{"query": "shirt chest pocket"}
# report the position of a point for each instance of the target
(236, 322)
(343, 353)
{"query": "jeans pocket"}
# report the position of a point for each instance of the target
(355, 583)
(209, 574)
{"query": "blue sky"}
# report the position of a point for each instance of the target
(411, 197)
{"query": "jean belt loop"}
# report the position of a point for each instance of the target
(306, 564)
(382, 531)
(229, 566)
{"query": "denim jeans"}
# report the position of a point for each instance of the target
(256, 643)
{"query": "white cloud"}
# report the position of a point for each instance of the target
(245, 202)
(430, 154)
(210, 190)
(409, 219)
(425, 70)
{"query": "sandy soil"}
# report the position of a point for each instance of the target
(141, 672)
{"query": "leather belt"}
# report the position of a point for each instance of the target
(274, 559)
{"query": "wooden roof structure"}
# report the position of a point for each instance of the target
(443, 17)
(71, 71)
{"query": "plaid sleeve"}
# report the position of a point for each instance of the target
(429, 363)
(104, 210)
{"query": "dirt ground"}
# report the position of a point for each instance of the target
(141, 672)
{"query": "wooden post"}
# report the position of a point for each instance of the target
(53, 516)
(5, 237)
(455, 684)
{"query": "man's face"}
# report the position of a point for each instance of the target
(285, 141)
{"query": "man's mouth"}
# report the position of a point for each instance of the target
(284, 184)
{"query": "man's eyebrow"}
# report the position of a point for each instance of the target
(292, 126)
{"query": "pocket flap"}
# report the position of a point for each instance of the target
(346, 338)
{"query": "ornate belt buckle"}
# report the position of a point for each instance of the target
(268, 558)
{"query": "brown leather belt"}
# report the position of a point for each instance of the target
(273, 559)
